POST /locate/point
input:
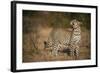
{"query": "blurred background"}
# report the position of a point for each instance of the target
(37, 27)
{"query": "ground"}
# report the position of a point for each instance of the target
(31, 54)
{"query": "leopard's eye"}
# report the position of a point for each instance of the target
(73, 24)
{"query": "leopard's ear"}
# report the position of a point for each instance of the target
(71, 23)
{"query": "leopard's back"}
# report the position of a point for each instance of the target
(61, 36)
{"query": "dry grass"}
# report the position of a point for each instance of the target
(31, 54)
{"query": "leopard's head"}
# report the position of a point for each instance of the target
(75, 24)
(47, 44)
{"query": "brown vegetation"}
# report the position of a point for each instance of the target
(32, 54)
(37, 26)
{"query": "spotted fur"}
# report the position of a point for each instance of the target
(75, 38)
(60, 39)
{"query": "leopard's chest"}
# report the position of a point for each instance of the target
(76, 36)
